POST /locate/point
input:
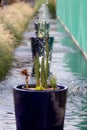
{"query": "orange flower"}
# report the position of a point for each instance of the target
(24, 72)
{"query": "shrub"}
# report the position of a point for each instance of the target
(13, 21)
(52, 8)
(15, 18)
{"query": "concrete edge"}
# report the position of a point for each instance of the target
(73, 38)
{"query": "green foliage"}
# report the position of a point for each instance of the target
(13, 21)
(38, 4)
(5, 60)
(39, 75)
(52, 8)
(42, 69)
(53, 82)
(47, 60)
(43, 73)
(36, 68)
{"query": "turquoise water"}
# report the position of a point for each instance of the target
(72, 13)
(72, 72)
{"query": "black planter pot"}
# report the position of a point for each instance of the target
(46, 27)
(38, 46)
(37, 24)
(40, 110)
(36, 27)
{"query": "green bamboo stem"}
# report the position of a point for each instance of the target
(47, 58)
(43, 73)
(36, 67)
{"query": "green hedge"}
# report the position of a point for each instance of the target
(13, 22)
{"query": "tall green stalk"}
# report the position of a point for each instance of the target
(43, 73)
(47, 60)
(36, 67)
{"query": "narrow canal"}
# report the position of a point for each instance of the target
(67, 64)
(72, 72)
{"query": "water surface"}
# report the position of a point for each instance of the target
(72, 72)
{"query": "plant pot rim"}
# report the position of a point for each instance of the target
(19, 88)
(41, 37)
(40, 22)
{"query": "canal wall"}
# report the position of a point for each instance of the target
(72, 14)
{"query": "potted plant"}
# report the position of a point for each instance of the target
(40, 106)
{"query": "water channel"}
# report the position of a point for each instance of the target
(67, 64)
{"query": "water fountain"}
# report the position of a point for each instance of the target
(42, 26)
